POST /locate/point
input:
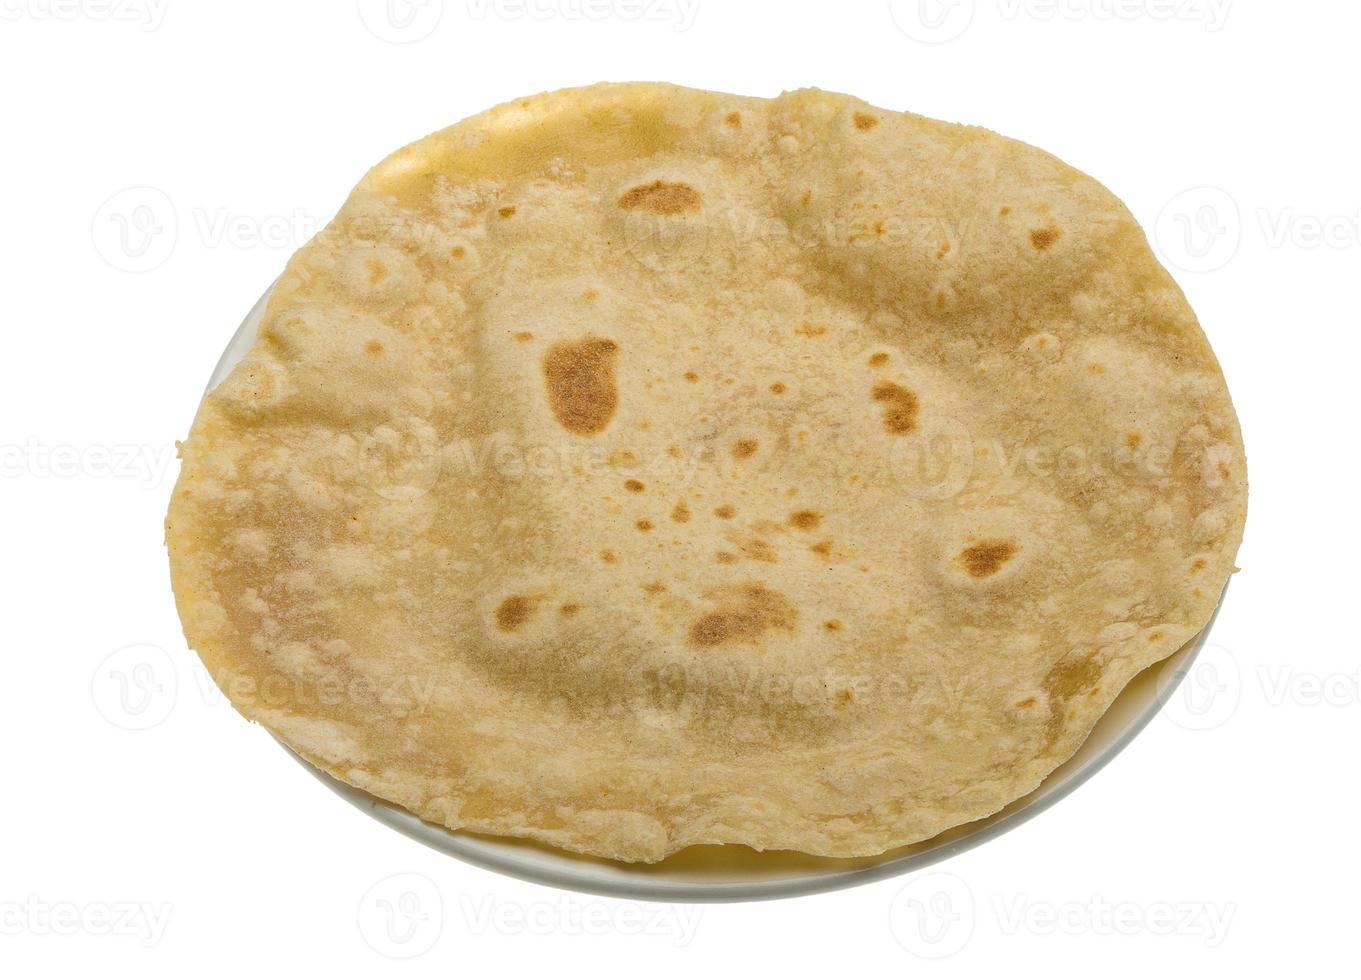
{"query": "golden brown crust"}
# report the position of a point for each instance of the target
(634, 467)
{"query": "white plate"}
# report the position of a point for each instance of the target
(734, 874)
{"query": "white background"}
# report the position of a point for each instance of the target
(1224, 838)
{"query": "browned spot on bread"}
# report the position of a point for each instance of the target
(900, 407)
(777, 388)
(524, 336)
(805, 520)
(579, 376)
(1223, 470)
(377, 271)
(458, 251)
(725, 558)
(1042, 238)
(634, 486)
(744, 614)
(807, 196)
(506, 211)
(832, 624)
(725, 511)
(608, 557)
(943, 250)
(661, 197)
(864, 121)
(1155, 636)
(643, 525)
(823, 548)
(758, 550)
(1096, 368)
(1005, 211)
(513, 612)
(569, 608)
(1070, 677)
(1026, 703)
(652, 588)
(374, 347)
(810, 329)
(879, 359)
(691, 376)
(680, 513)
(744, 448)
(734, 119)
(1133, 439)
(590, 294)
(987, 557)
(843, 697)
(1198, 564)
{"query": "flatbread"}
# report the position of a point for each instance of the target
(635, 467)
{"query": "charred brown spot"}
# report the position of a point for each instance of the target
(691, 376)
(634, 486)
(661, 197)
(987, 557)
(733, 119)
(524, 336)
(1155, 636)
(1071, 677)
(643, 525)
(879, 359)
(864, 121)
(725, 558)
(507, 211)
(744, 614)
(513, 612)
(1004, 211)
(1198, 564)
(458, 251)
(777, 388)
(374, 347)
(1133, 439)
(652, 588)
(806, 198)
(725, 511)
(900, 407)
(843, 697)
(1042, 238)
(744, 448)
(377, 271)
(608, 557)
(758, 550)
(832, 625)
(590, 294)
(680, 513)
(823, 548)
(1026, 703)
(811, 329)
(569, 608)
(805, 520)
(579, 376)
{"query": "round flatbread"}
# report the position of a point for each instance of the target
(634, 467)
